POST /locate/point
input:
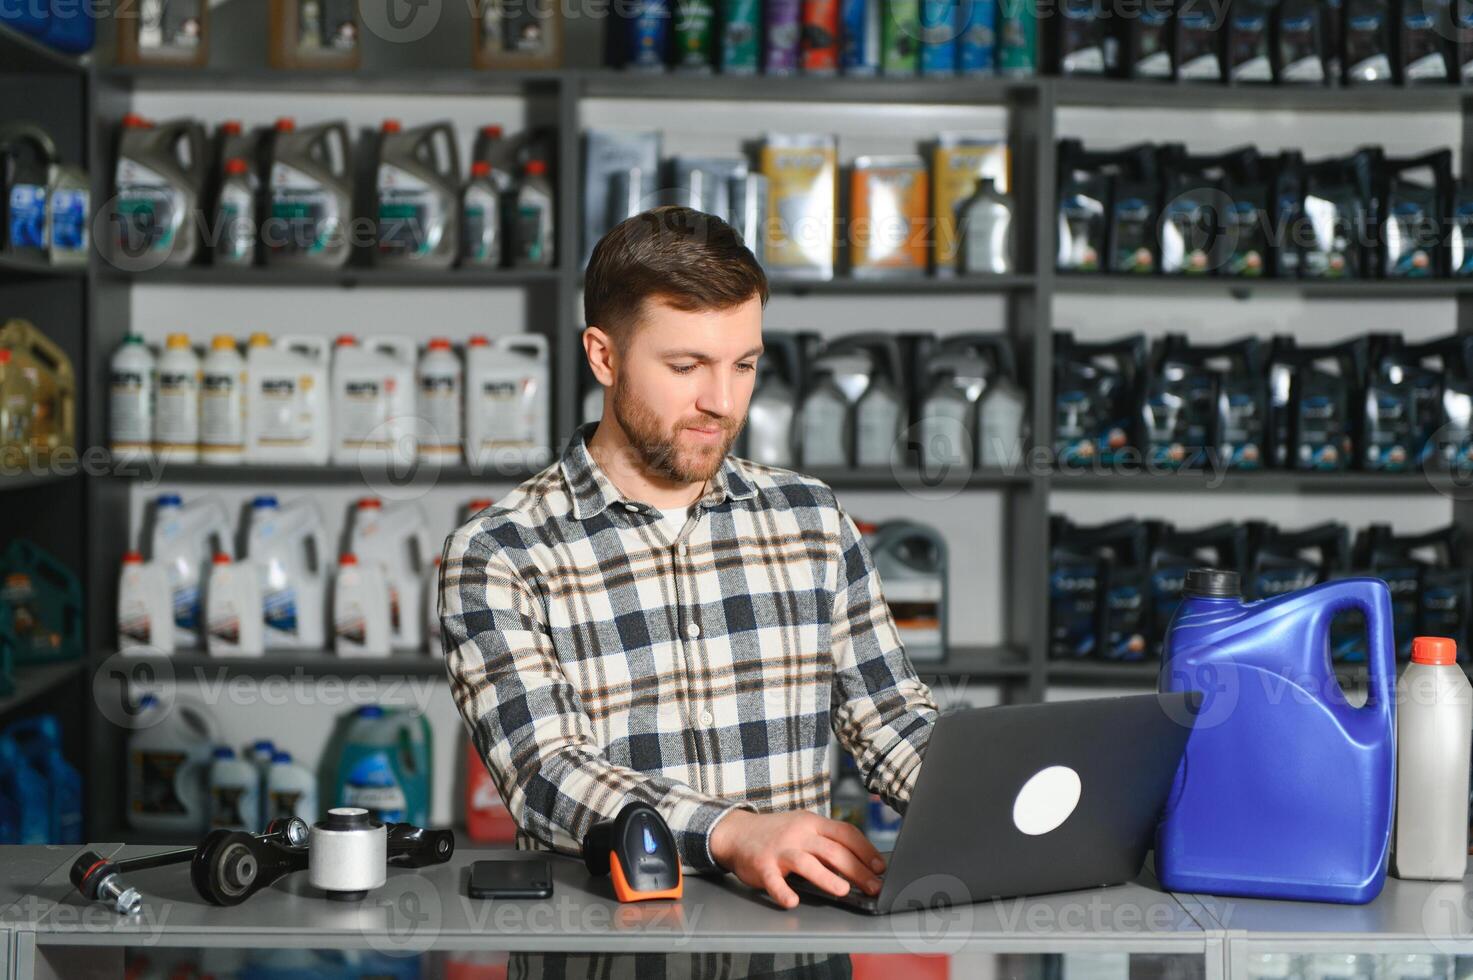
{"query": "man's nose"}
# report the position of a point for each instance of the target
(716, 395)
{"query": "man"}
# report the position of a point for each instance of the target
(653, 619)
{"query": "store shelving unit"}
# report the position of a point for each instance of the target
(47, 503)
(559, 100)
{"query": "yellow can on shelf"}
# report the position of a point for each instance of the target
(53, 398)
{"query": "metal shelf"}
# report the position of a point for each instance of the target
(25, 481)
(326, 474)
(19, 267)
(307, 663)
(978, 663)
(1085, 283)
(616, 84)
(1109, 93)
(376, 81)
(22, 53)
(1104, 672)
(917, 286)
(1265, 481)
(904, 479)
(34, 680)
(347, 277)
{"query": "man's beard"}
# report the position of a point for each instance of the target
(660, 450)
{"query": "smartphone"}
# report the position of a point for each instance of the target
(519, 877)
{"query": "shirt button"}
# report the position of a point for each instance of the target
(631, 508)
(683, 548)
(692, 630)
(707, 718)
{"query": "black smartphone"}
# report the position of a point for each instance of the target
(519, 877)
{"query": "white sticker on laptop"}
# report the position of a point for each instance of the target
(1046, 800)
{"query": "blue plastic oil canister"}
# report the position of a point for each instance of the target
(1285, 790)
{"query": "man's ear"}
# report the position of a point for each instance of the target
(602, 358)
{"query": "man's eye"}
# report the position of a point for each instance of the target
(682, 368)
(746, 366)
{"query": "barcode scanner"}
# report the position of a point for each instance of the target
(637, 851)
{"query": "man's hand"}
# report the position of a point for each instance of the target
(761, 848)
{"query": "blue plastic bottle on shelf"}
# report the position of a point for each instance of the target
(71, 28)
(28, 791)
(1286, 790)
(39, 740)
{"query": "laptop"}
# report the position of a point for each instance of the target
(1029, 799)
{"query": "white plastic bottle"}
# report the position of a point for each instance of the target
(432, 608)
(185, 540)
(167, 767)
(132, 387)
(373, 402)
(288, 547)
(176, 425)
(394, 540)
(507, 413)
(234, 615)
(287, 412)
(291, 790)
(222, 404)
(533, 238)
(440, 402)
(1434, 729)
(360, 610)
(235, 800)
(145, 607)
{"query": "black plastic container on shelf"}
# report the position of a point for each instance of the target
(1248, 40)
(1205, 405)
(1108, 204)
(1077, 580)
(1197, 30)
(1297, 51)
(1081, 39)
(1340, 189)
(1286, 202)
(1424, 48)
(1145, 42)
(1285, 561)
(1428, 579)
(1313, 398)
(1214, 212)
(1097, 390)
(1439, 390)
(1413, 205)
(1125, 622)
(1368, 49)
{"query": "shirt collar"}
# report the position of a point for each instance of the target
(591, 490)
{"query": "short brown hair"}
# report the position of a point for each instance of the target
(686, 258)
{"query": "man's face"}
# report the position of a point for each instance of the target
(683, 383)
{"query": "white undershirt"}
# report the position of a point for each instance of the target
(674, 520)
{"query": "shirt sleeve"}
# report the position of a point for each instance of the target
(526, 720)
(882, 713)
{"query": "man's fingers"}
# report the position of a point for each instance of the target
(812, 868)
(846, 863)
(784, 896)
(849, 835)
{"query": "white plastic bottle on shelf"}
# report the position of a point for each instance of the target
(167, 767)
(360, 610)
(373, 410)
(145, 607)
(291, 790)
(288, 547)
(394, 539)
(132, 387)
(507, 414)
(222, 404)
(176, 424)
(1434, 734)
(441, 402)
(185, 540)
(533, 238)
(234, 614)
(235, 792)
(287, 412)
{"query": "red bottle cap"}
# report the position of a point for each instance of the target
(481, 168)
(231, 127)
(133, 558)
(235, 166)
(1439, 651)
(370, 503)
(536, 167)
(492, 131)
(478, 505)
(347, 559)
(478, 340)
(221, 558)
(286, 124)
(392, 126)
(135, 121)
(345, 340)
(439, 343)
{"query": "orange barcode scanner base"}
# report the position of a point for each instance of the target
(637, 851)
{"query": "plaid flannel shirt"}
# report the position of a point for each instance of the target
(595, 661)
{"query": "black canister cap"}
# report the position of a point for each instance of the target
(1212, 583)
